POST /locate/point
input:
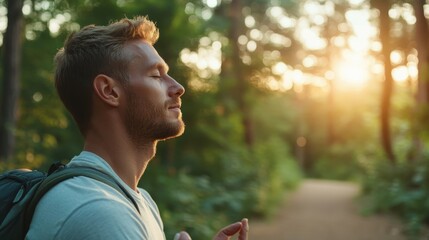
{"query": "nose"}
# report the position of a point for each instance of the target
(175, 89)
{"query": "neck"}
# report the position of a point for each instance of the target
(126, 159)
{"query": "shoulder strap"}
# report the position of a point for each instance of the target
(70, 172)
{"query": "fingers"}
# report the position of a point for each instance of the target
(244, 229)
(228, 231)
(182, 236)
(231, 229)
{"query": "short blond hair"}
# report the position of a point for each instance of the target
(96, 50)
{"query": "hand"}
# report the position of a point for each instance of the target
(239, 227)
(226, 233)
(182, 236)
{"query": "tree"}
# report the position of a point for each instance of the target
(422, 95)
(236, 68)
(422, 36)
(11, 77)
(384, 25)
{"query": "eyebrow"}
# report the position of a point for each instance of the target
(159, 65)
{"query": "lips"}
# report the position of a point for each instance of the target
(176, 106)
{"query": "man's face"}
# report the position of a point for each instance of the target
(153, 97)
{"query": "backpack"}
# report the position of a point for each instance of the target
(21, 190)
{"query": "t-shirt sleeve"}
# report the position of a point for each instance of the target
(102, 219)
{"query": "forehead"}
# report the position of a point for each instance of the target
(143, 53)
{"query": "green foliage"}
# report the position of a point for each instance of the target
(186, 201)
(274, 171)
(402, 189)
(338, 132)
(234, 183)
(339, 163)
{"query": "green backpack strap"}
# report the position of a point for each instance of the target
(67, 173)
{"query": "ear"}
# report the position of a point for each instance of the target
(107, 89)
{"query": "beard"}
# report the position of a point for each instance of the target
(150, 123)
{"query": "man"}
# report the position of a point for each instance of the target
(117, 88)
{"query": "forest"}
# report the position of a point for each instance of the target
(276, 91)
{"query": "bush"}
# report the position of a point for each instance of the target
(243, 184)
(338, 163)
(188, 203)
(402, 189)
(274, 171)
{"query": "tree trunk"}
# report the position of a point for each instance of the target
(422, 40)
(331, 134)
(331, 98)
(241, 89)
(11, 76)
(422, 94)
(384, 25)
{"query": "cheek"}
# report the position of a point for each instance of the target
(152, 97)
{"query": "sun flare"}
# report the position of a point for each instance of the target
(352, 73)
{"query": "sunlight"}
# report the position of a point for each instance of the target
(404, 73)
(356, 2)
(354, 64)
(212, 3)
(279, 68)
(413, 71)
(206, 59)
(26, 9)
(358, 44)
(3, 23)
(249, 21)
(309, 61)
(352, 72)
(400, 74)
(396, 57)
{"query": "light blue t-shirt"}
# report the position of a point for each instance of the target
(83, 208)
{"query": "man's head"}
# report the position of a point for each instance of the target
(123, 54)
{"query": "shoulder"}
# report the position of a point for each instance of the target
(102, 219)
(78, 191)
(83, 206)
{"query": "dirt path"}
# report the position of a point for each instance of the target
(325, 210)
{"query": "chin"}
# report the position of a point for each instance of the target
(172, 131)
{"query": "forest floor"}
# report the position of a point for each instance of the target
(325, 210)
